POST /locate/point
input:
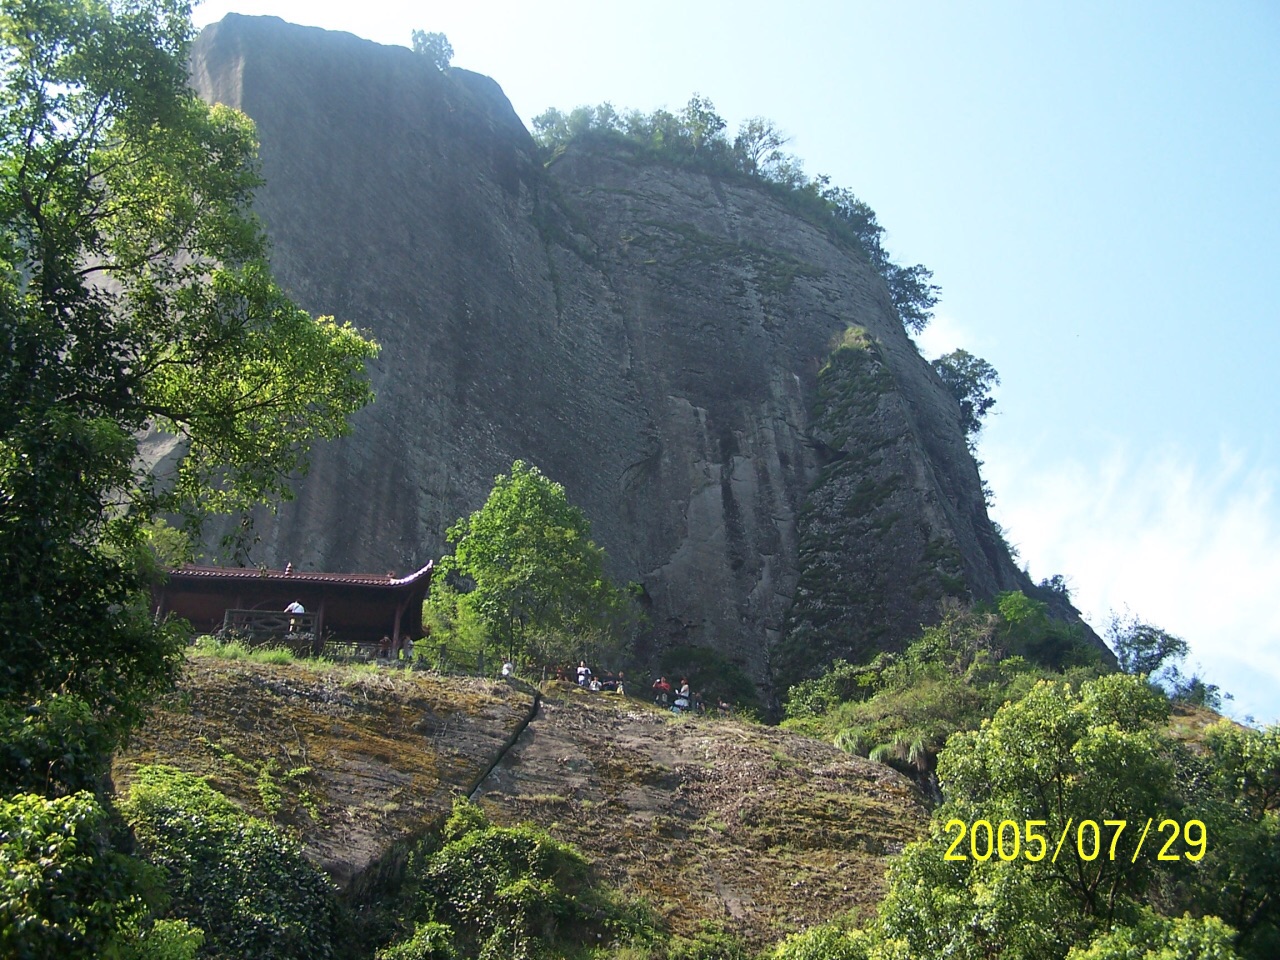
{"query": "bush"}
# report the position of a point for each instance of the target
(54, 747)
(240, 879)
(64, 892)
(507, 892)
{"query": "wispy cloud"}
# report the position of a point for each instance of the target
(1192, 548)
(943, 334)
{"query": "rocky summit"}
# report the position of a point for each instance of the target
(720, 383)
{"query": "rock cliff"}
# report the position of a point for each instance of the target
(720, 384)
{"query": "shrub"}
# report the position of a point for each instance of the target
(54, 747)
(240, 879)
(507, 892)
(64, 892)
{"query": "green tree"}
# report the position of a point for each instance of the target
(1154, 937)
(530, 572)
(758, 144)
(1236, 792)
(1051, 758)
(134, 296)
(969, 379)
(1142, 648)
(435, 47)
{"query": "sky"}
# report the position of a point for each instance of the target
(1096, 187)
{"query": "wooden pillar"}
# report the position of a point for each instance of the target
(317, 642)
(397, 642)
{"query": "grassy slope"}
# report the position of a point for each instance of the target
(707, 819)
(762, 829)
(381, 753)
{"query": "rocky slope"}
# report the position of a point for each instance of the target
(708, 819)
(721, 386)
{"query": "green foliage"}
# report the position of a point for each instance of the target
(902, 708)
(134, 295)
(1236, 792)
(1154, 937)
(430, 941)
(696, 137)
(64, 891)
(458, 637)
(710, 942)
(1142, 648)
(1053, 758)
(829, 941)
(969, 379)
(164, 940)
(531, 575)
(52, 747)
(507, 892)
(241, 880)
(1058, 757)
(435, 47)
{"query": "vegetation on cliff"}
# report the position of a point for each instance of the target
(695, 137)
(902, 708)
(1076, 826)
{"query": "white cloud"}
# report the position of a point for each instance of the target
(1191, 548)
(943, 334)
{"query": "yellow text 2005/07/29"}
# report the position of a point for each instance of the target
(1089, 840)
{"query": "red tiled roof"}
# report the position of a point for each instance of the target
(259, 574)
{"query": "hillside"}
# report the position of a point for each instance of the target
(707, 819)
(720, 383)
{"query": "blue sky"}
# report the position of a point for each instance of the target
(1096, 186)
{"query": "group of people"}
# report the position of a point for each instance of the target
(586, 678)
(683, 700)
(680, 698)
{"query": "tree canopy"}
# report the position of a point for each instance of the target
(528, 572)
(134, 296)
(969, 379)
(696, 137)
(1074, 826)
(435, 47)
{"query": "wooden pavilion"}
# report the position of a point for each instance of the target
(347, 608)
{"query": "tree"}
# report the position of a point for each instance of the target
(969, 379)
(1142, 648)
(534, 574)
(758, 144)
(1055, 757)
(134, 296)
(703, 127)
(435, 47)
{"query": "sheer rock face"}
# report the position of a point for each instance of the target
(658, 340)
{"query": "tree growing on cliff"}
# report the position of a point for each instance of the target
(134, 295)
(435, 47)
(969, 379)
(531, 574)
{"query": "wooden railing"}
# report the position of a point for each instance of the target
(258, 626)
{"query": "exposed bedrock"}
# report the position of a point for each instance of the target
(722, 386)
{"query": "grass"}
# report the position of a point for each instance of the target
(207, 646)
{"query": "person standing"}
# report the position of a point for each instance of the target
(294, 608)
